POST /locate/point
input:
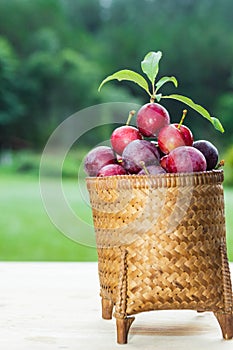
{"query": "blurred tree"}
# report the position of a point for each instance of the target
(19, 19)
(196, 46)
(58, 51)
(55, 89)
(11, 108)
(83, 14)
(224, 107)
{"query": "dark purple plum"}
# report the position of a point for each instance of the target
(139, 151)
(210, 152)
(97, 158)
(153, 147)
(156, 144)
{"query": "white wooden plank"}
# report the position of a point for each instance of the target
(48, 306)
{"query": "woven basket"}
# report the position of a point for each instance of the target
(161, 245)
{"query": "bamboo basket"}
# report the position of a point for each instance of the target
(161, 245)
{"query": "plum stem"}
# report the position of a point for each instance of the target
(131, 114)
(182, 118)
(152, 99)
(144, 167)
(220, 164)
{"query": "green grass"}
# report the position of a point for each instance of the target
(27, 234)
(228, 194)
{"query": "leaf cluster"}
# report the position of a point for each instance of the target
(150, 66)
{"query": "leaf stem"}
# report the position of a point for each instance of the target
(153, 90)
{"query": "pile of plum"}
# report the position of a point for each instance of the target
(154, 146)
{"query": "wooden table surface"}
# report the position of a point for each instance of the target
(48, 306)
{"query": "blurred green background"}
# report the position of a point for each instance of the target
(54, 54)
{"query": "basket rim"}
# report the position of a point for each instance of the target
(160, 180)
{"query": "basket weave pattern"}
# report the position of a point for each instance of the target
(161, 242)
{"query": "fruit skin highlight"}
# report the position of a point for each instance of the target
(185, 159)
(97, 158)
(151, 118)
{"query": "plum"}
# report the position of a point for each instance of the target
(209, 151)
(122, 136)
(151, 118)
(139, 151)
(152, 170)
(174, 135)
(185, 159)
(112, 169)
(97, 158)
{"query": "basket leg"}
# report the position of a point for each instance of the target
(107, 307)
(226, 323)
(123, 326)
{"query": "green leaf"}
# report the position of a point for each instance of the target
(165, 80)
(216, 123)
(158, 97)
(150, 65)
(129, 75)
